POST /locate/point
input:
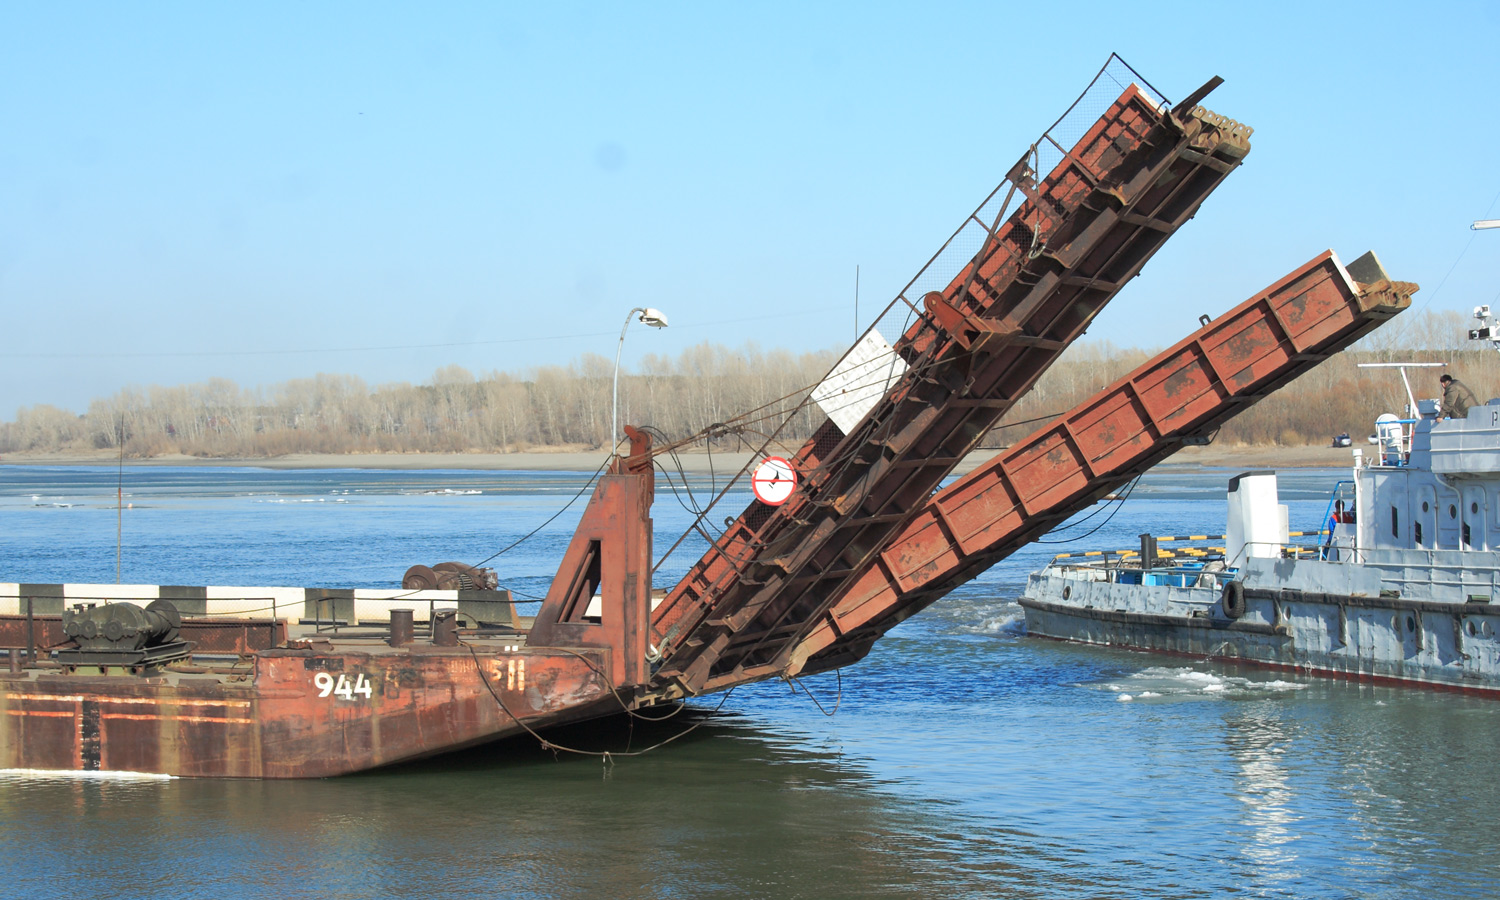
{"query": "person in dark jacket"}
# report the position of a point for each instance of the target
(1457, 398)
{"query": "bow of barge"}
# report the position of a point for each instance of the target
(92, 686)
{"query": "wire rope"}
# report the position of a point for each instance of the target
(602, 754)
(1120, 504)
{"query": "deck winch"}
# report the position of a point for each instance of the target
(449, 576)
(123, 634)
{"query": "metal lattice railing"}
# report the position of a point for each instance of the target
(870, 365)
(1040, 158)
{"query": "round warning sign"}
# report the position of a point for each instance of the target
(773, 481)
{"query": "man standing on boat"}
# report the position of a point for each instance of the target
(1457, 398)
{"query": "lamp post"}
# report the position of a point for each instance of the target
(649, 316)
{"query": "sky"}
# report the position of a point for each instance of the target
(267, 191)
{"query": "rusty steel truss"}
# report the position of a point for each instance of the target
(976, 346)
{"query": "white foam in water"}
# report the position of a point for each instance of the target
(987, 615)
(1277, 685)
(1185, 675)
(85, 776)
(1013, 623)
(1159, 681)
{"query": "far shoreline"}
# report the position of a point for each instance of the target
(696, 462)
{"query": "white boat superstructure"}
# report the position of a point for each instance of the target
(1400, 585)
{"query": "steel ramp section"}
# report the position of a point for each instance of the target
(1178, 397)
(978, 345)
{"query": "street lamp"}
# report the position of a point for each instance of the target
(649, 316)
(1483, 224)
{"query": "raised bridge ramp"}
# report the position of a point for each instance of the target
(1178, 397)
(1114, 196)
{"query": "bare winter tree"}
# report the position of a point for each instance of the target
(748, 392)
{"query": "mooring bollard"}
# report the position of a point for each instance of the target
(401, 627)
(445, 628)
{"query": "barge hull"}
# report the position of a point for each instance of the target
(296, 713)
(1381, 640)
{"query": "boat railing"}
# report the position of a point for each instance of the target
(1338, 521)
(266, 605)
(318, 607)
(1183, 551)
(1173, 565)
(1155, 539)
(1393, 438)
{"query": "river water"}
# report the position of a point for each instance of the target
(961, 759)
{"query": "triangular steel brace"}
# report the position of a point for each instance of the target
(971, 332)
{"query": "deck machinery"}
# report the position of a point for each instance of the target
(865, 540)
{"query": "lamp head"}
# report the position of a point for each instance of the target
(653, 317)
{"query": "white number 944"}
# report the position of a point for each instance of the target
(342, 688)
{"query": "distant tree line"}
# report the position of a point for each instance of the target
(1335, 397)
(568, 407)
(562, 407)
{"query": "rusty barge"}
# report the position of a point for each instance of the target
(161, 680)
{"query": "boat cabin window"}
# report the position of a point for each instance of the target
(1425, 523)
(1395, 524)
(1475, 517)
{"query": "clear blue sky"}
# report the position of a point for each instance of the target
(267, 191)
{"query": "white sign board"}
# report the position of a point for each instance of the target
(858, 382)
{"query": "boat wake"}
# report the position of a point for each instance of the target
(988, 615)
(1011, 623)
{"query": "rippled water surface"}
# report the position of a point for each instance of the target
(961, 758)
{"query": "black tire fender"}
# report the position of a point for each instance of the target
(1232, 599)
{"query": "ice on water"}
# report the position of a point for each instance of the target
(1186, 682)
(67, 775)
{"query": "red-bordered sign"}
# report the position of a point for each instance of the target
(773, 481)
